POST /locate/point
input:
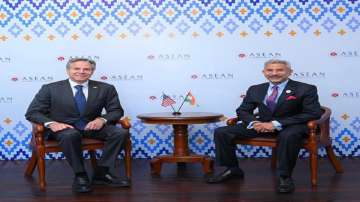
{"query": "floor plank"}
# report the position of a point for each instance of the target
(184, 184)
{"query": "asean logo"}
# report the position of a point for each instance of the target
(333, 54)
(194, 76)
(242, 55)
(335, 94)
(61, 58)
(152, 97)
(14, 78)
(150, 57)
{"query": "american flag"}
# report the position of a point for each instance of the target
(167, 101)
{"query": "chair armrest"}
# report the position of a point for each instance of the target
(125, 123)
(232, 121)
(324, 124)
(325, 116)
(312, 125)
(38, 131)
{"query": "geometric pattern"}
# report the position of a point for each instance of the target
(117, 19)
(280, 25)
(131, 17)
(304, 25)
(26, 15)
(50, 14)
(152, 140)
(292, 10)
(347, 141)
(267, 11)
(316, 10)
(328, 24)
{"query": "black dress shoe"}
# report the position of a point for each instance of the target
(110, 180)
(81, 184)
(286, 185)
(226, 175)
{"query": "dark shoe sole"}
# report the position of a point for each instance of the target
(84, 190)
(234, 177)
(286, 190)
(100, 182)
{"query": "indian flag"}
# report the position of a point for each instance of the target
(190, 99)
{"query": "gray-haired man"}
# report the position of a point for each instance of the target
(284, 107)
(71, 109)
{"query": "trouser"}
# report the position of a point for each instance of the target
(70, 141)
(289, 141)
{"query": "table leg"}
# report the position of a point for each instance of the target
(181, 145)
(207, 164)
(155, 165)
(181, 153)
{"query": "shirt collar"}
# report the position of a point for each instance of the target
(73, 84)
(281, 85)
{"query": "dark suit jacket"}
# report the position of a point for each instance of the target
(55, 102)
(297, 104)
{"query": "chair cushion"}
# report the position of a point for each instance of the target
(258, 141)
(267, 141)
(87, 143)
(84, 141)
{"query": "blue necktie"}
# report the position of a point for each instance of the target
(80, 101)
(271, 100)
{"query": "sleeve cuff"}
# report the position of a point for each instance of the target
(251, 125)
(46, 124)
(103, 119)
(277, 125)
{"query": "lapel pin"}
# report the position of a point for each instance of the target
(288, 91)
(95, 87)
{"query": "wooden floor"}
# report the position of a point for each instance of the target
(185, 184)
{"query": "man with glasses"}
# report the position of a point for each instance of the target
(284, 107)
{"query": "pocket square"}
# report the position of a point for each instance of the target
(291, 97)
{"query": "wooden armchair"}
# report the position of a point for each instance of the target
(40, 146)
(316, 139)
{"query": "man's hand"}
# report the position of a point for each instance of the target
(56, 126)
(264, 127)
(96, 124)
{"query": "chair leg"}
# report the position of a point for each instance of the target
(273, 158)
(41, 167)
(128, 158)
(31, 164)
(333, 159)
(93, 158)
(313, 166)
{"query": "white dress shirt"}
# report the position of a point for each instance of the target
(85, 87)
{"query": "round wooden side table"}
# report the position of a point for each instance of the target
(181, 149)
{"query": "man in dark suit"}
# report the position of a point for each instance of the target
(71, 109)
(284, 107)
